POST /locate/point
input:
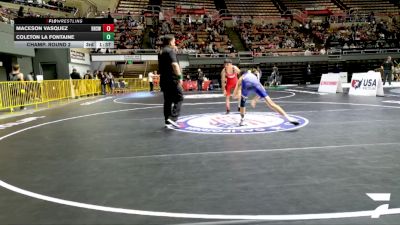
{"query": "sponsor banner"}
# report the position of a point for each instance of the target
(366, 84)
(136, 58)
(343, 77)
(330, 83)
(132, 57)
(255, 123)
(79, 56)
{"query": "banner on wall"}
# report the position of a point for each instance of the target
(366, 84)
(118, 58)
(79, 56)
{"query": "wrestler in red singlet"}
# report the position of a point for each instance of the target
(229, 78)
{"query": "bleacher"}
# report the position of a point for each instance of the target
(199, 35)
(208, 5)
(291, 72)
(252, 8)
(304, 4)
(9, 11)
(368, 6)
(51, 4)
(128, 34)
(133, 6)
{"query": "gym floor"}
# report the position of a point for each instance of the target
(110, 160)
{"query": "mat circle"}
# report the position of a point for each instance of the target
(255, 123)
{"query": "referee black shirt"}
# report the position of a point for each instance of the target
(165, 60)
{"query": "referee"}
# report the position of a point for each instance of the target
(170, 81)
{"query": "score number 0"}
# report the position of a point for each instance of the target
(108, 27)
(108, 32)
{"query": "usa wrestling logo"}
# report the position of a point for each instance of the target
(365, 84)
(356, 83)
(255, 123)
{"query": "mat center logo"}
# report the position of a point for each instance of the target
(217, 123)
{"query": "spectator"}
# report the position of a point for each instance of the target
(152, 36)
(336, 69)
(88, 75)
(110, 79)
(30, 76)
(20, 13)
(150, 78)
(308, 74)
(16, 75)
(200, 79)
(259, 73)
(103, 81)
(388, 68)
(75, 75)
(275, 78)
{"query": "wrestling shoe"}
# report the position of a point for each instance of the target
(293, 121)
(173, 123)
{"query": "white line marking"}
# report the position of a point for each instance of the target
(329, 110)
(360, 122)
(203, 96)
(75, 117)
(291, 102)
(342, 103)
(118, 100)
(393, 95)
(310, 216)
(248, 151)
(307, 92)
(96, 101)
(380, 210)
(392, 101)
(289, 96)
(227, 222)
(133, 103)
(368, 213)
(19, 122)
(379, 196)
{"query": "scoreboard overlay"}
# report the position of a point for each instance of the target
(64, 32)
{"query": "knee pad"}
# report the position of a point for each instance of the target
(243, 101)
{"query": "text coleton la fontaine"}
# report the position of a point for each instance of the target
(44, 37)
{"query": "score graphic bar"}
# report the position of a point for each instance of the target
(64, 33)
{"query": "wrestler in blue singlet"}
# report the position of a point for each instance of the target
(250, 83)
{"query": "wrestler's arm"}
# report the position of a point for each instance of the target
(236, 69)
(238, 89)
(223, 80)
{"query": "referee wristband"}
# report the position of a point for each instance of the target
(180, 77)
